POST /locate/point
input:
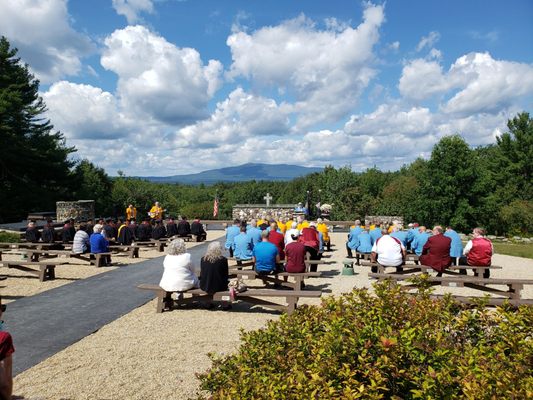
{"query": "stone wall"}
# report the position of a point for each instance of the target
(81, 210)
(250, 211)
(382, 219)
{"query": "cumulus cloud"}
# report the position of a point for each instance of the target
(158, 80)
(318, 67)
(240, 116)
(132, 9)
(41, 30)
(476, 82)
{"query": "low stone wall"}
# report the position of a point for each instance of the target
(251, 211)
(382, 219)
(81, 210)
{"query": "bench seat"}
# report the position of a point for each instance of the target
(253, 296)
(44, 270)
(275, 278)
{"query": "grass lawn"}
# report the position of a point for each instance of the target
(518, 250)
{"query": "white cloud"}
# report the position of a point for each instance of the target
(422, 79)
(428, 41)
(41, 30)
(325, 70)
(132, 9)
(240, 116)
(157, 79)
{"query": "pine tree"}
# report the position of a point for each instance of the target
(34, 167)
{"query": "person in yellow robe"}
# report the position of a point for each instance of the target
(288, 224)
(323, 228)
(156, 212)
(281, 224)
(131, 212)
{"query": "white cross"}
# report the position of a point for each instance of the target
(268, 197)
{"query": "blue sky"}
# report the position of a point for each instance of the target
(164, 87)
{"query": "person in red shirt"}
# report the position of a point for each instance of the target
(278, 239)
(309, 237)
(436, 251)
(295, 255)
(6, 360)
(478, 251)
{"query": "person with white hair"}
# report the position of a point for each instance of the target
(156, 212)
(98, 243)
(293, 231)
(214, 270)
(178, 274)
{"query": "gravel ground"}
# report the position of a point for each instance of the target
(145, 355)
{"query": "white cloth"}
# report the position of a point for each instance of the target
(389, 251)
(288, 238)
(80, 243)
(178, 274)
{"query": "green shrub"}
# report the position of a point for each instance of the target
(387, 345)
(9, 237)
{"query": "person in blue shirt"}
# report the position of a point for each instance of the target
(419, 241)
(254, 233)
(375, 233)
(411, 233)
(98, 243)
(353, 241)
(456, 248)
(242, 246)
(231, 232)
(365, 242)
(399, 234)
(265, 256)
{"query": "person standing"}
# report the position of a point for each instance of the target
(156, 212)
(131, 212)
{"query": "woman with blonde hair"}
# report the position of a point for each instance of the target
(178, 272)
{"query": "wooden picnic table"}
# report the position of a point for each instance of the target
(276, 278)
(45, 270)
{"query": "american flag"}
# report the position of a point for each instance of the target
(215, 207)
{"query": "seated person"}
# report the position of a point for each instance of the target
(266, 257)
(178, 274)
(242, 246)
(419, 240)
(375, 233)
(436, 251)
(81, 243)
(365, 242)
(159, 231)
(144, 231)
(295, 255)
(291, 233)
(68, 231)
(214, 271)
(197, 229)
(172, 228)
(109, 230)
(231, 232)
(98, 243)
(275, 237)
(32, 233)
(184, 228)
(478, 251)
(456, 249)
(49, 232)
(353, 238)
(323, 229)
(397, 233)
(388, 252)
(254, 232)
(309, 237)
(126, 235)
(6, 359)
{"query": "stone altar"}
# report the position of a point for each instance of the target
(81, 210)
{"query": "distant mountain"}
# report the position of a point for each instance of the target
(245, 172)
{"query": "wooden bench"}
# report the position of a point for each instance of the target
(252, 296)
(132, 250)
(409, 268)
(276, 278)
(98, 259)
(45, 270)
(514, 290)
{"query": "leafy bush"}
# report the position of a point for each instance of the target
(9, 237)
(388, 345)
(517, 217)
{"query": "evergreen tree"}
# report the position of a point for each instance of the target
(34, 165)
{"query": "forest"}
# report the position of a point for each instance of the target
(458, 185)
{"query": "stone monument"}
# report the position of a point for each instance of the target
(251, 211)
(81, 210)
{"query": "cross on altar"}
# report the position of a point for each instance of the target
(268, 197)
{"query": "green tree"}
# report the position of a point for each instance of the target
(34, 164)
(93, 184)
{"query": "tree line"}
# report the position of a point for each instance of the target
(458, 185)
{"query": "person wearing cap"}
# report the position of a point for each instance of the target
(6, 359)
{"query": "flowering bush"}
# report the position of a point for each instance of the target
(390, 344)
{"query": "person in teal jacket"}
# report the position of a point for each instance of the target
(365, 242)
(353, 238)
(456, 248)
(419, 241)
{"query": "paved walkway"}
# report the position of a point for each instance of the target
(46, 323)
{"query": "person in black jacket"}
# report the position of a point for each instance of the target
(144, 231)
(184, 228)
(172, 228)
(214, 271)
(159, 231)
(197, 229)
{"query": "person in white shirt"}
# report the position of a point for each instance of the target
(81, 243)
(179, 273)
(291, 232)
(388, 251)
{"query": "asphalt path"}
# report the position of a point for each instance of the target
(48, 322)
